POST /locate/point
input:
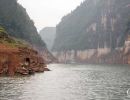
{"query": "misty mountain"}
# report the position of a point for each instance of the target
(14, 18)
(48, 35)
(94, 24)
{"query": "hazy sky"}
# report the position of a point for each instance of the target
(48, 12)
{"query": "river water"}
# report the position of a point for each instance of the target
(70, 82)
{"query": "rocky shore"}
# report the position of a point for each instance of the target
(17, 58)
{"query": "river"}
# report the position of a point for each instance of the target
(70, 82)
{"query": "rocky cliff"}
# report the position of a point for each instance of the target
(94, 24)
(96, 56)
(18, 57)
(94, 28)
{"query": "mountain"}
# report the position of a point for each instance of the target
(14, 18)
(94, 24)
(97, 31)
(48, 35)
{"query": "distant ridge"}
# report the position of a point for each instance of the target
(48, 34)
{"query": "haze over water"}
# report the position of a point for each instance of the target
(70, 82)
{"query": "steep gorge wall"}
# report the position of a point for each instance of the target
(94, 24)
(95, 29)
(95, 56)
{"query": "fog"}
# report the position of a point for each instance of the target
(48, 12)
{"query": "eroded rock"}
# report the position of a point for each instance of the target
(22, 60)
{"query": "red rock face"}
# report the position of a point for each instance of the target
(22, 61)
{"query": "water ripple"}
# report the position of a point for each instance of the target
(70, 82)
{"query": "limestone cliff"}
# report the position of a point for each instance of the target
(95, 32)
(95, 56)
(94, 24)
